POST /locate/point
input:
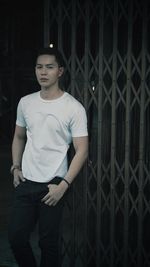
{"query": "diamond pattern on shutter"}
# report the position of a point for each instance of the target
(107, 215)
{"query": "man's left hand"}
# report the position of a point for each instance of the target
(53, 196)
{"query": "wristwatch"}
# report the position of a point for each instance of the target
(13, 167)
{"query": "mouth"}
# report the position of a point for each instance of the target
(43, 80)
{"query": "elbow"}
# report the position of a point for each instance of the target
(86, 153)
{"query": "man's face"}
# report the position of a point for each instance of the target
(47, 71)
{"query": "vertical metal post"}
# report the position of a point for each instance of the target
(113, 132)
(99, 141)
(141, 137)
(60, 25)
(73, 47)
(73, 55)
(127, 135)
(86, 84)
(46, 23)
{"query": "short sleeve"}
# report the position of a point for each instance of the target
(20, 121)
(78, 125)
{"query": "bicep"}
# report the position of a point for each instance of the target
(20, 132)
(81, 143)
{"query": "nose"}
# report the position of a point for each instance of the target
(43, 71)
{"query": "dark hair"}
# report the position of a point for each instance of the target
(52, 51)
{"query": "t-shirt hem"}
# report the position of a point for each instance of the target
(80, 135)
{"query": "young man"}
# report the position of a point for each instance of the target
(47, 122)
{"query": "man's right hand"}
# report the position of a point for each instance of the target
(18, 177)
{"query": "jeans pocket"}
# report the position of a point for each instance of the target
(19, 186)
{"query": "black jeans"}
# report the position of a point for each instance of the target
(27, 210)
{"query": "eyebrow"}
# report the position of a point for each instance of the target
(51, 64)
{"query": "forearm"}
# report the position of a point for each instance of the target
(75, 166)
(81, 154)
(17, 150)
(74, 169)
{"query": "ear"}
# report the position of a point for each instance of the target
(61, 71)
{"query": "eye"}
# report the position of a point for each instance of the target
(50, 67)
(38, 67)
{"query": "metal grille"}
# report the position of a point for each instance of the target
(105, 45)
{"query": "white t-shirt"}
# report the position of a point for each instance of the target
(50, 126)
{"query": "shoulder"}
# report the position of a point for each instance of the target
(73, 103)
(29, 97)
(27, 102)
(76, 111)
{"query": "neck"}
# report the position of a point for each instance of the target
(51, 94)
